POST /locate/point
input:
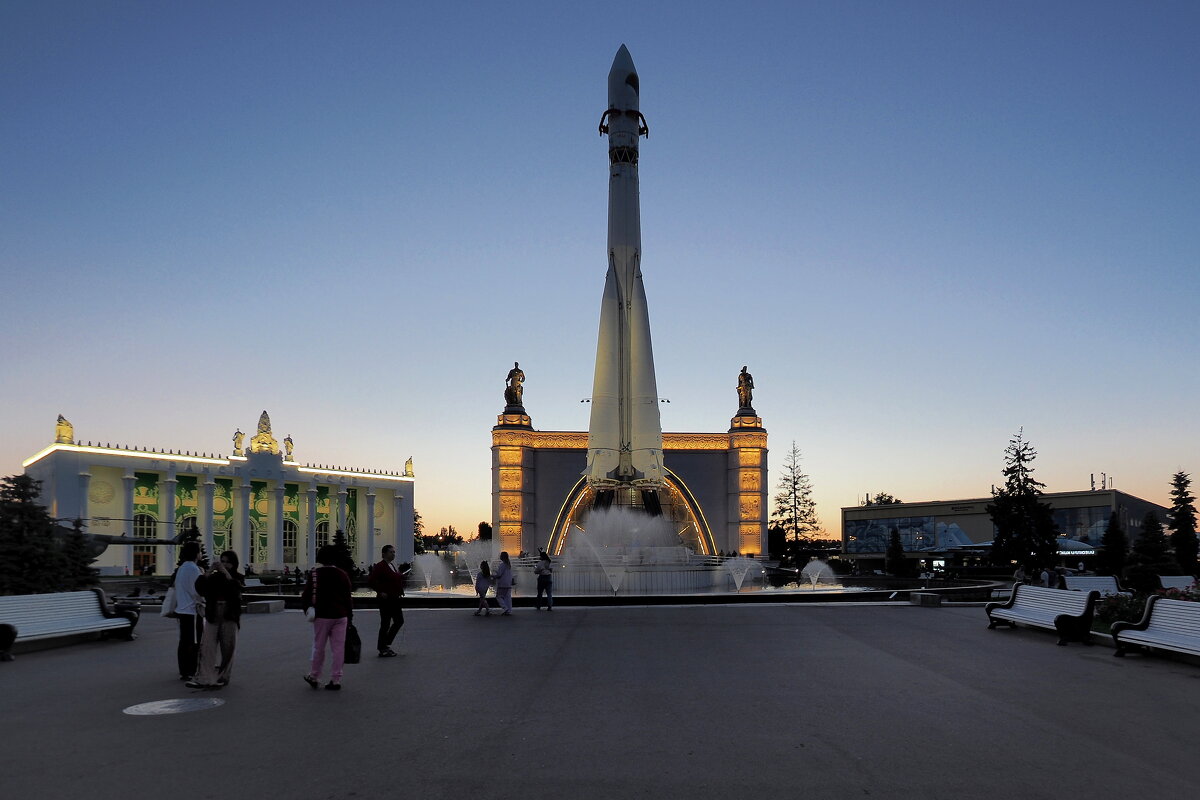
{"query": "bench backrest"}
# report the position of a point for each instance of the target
(1175, 616)
(1104, 584)
(1057, 600)
(28, 608)
(1176, 581)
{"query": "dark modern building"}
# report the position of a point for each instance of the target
(954, 531)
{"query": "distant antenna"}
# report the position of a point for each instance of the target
(1092, 477)
(1103, 480)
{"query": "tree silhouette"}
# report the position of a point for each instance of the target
(1183, 522)
(1025, 527)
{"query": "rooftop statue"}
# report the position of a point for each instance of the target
(263, 441)
(513, 389)
(64, 431)
(745, 389)
(238, 438)
(408, 470)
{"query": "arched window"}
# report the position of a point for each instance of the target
(186, 524)
(322, 534)
(289, 542)
(258, 553)
(145, 556)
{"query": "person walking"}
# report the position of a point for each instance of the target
(221, 589)
(388, 582)
(504, 584)
(188, 609)
(483, 582)
(545, 580)
(328, 594)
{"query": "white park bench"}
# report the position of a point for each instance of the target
(1104, 584)
(1176, 581)
(45, 616)
(1068, 613)
(1167, 624)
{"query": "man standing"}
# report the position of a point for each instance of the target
(388, 582)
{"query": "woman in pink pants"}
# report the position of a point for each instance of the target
(328, 605)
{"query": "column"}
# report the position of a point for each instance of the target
(341, 515)
(166, 514)
(275, 557)
(239, 533)
(404, 544)
(371, 526)
(207, 489)
(130, 484)
(85, 482)
(311, 526)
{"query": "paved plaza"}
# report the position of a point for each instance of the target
(807, 701)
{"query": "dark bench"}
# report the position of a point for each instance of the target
(33, 617)
(1167, 624)
(1068, 613)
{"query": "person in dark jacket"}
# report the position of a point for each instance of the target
(387, 579)
(221, 589)
(328, 593)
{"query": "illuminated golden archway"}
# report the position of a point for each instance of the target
(679, 506)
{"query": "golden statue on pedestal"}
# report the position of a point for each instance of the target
(263, 441)
(64, 431)
(238, 438)
(408, 471)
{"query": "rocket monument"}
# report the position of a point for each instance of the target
(625, 433)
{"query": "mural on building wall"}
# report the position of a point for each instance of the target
(352, 519)
(260, 508)
(222, 513)
(145, 496)
(187, 503)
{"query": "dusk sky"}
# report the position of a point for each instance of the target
(921, 225)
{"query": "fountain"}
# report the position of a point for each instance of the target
(816, 572)
(433, 570)
(738, 567)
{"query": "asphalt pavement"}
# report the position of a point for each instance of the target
(805, 700)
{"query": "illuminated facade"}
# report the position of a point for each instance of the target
(716, 485)
(259, 501)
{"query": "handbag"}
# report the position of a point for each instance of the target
(353, 651)
(169, 604)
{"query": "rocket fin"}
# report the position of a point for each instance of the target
(645, 429)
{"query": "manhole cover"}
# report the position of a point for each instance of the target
(181, 706)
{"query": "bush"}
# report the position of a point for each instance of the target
(1118, 608)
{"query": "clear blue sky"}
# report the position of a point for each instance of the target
(921, 225)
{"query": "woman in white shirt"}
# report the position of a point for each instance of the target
(189, 608)
(504, 583)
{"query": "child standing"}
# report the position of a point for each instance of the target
(483, 582)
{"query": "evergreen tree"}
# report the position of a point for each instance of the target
(1025, 527)
(1114, 548)
(1183, 523)
(795, 509)
(30, 558)
(77, 556)
(894, 561)
(418, 533)
(1150, 557)
(485, 531)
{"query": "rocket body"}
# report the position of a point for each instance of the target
(625, 433)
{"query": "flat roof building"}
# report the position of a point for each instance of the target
(259, 501)
(941, 527)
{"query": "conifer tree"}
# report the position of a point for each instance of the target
(1183, 523)
(77, 556)
(1025, 527)
(795, 509)
(1114, 548)
(1150, 557)
(30, 557)
(344, 560)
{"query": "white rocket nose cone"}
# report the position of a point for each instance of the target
(623, 88)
